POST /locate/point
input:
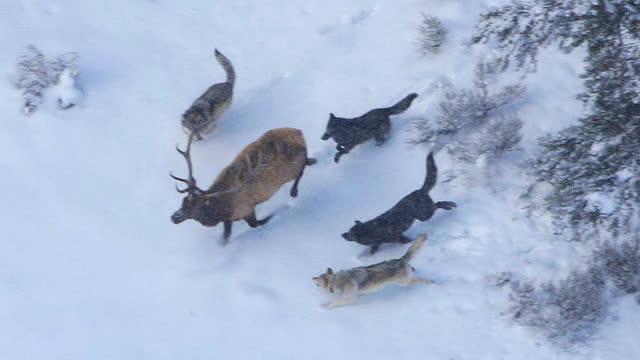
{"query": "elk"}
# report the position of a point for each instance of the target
(277, 157)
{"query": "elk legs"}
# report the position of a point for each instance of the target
(294, 189)
(227, 231)
(253, 222)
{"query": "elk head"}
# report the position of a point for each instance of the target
(206, 208)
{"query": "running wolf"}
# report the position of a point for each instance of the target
(201, 118)
(388, 227)
(367, 279)
(348, 133)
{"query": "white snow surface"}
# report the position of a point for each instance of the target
(92, 268)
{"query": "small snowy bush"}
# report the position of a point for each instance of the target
(621, 264)
(35, 75)
(32, 78)
(432, 35)
(474, 123)
(569, 311)
(500, 279)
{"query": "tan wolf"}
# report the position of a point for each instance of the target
(367, 279)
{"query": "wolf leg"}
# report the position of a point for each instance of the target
(418, 282)
(341, 151)
(446, 205)
(344, 301)
(382, 133)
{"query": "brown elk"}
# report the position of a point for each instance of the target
(277, 157)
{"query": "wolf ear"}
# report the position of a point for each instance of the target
(329, 271)
(358, 222)
(331, 116)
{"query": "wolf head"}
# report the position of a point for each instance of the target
(356, 232)
(325, 280)
(330, 127)
(195, 118)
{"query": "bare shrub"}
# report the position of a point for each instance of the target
(36, 75)
(432, 35)
(570, 310)
(476, 122)
(33, 78)
(566, 312)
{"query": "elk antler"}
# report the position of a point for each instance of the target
(191, 181)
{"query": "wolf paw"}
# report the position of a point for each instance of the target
(446, 205)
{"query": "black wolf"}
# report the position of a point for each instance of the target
(388, 227)
(348, 133)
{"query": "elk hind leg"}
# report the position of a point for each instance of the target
(294, 188)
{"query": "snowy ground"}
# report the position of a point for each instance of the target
(92, 268)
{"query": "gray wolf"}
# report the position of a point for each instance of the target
(201, 117)
(367, 279)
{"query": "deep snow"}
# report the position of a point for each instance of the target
(92, 268)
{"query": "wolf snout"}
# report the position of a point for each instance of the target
(348, 236)
(325, 136)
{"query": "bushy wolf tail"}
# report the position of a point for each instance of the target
(414, 248)
(226, 65)
(401, 105)
(432, 173)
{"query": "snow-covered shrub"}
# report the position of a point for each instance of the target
(35, 75)
(621, 264)
(566, 312)
(432, 35)
(64, 62)
(499, 279)
(474, 123)
(593, 167)
(570, 310)
(32, 78)
(502, 136)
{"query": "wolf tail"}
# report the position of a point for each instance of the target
(401, 105)
(432, 173)
(414, 248)
(226, 65)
